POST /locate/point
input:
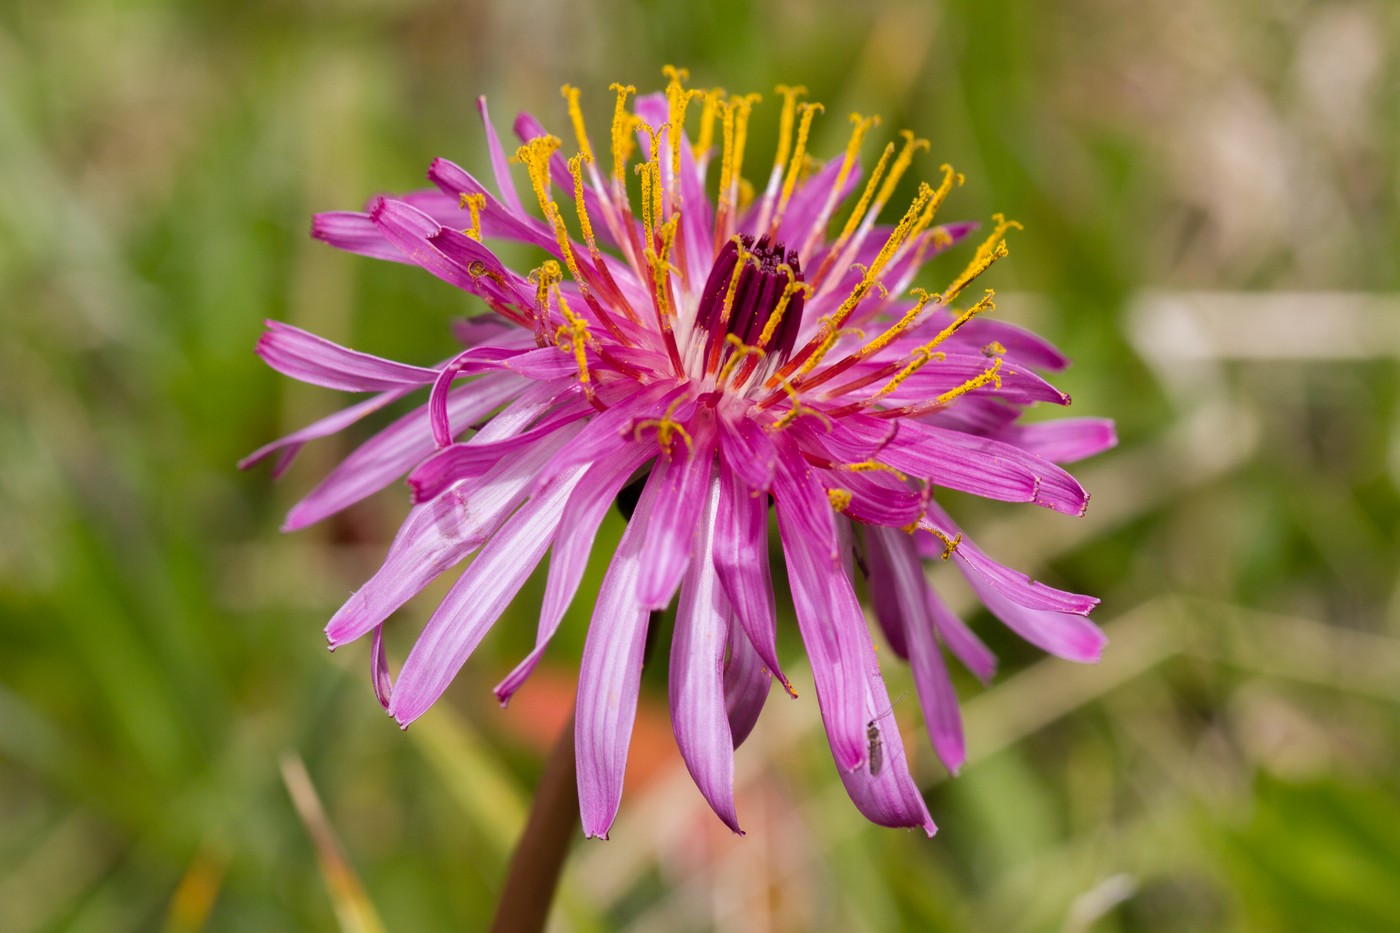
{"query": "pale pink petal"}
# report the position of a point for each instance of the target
(671, 533)
(439, 535)
(389, 454)
(747, 449)
(572, 545)
(477, 600)
(354, 232)
(741, 560)
(1064, 440)
(698, 713)
(331, 424)
(499, 167)
(308, 358)
(609, 677)
(828, 614)
(379, 668)
(960, 640)
(746, 682)
(913, 598)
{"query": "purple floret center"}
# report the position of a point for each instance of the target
(756, 296)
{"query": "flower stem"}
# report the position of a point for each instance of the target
(539, 856)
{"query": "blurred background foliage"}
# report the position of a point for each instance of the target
(1210, 194)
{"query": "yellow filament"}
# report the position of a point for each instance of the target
(742, 107)
(580, 205)
(785, 122)
(576, 115)
(661, 266)
(726, 162)
(678, 101)
(743, 350)
(854, 220)
(714, 99)
(799, 151)
(655, 164)
(474, 203)
(743, 259)
(862, 126)
(621, 125)
(831, 336)
(840, 498)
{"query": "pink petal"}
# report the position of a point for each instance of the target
(931, 681)
(354, 232)
(572, 545)
(741, 560)
(461, 461)
(609, 677)
(325, 427)
(499, 167)
(308, 358)
(477, 600)
(671, 533)
(828, 614)
(439, 535)
(965, 646)
(746, 683)
(698, 713)
(1064, 440)
(982, 467)
(747, 449)
(389, 454)
(379, 668)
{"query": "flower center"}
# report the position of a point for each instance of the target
(755, 292)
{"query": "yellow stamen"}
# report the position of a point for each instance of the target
(789, 290)
(726, 165)
(678, 101)
(661, 269)
(536, 155)
(744, 258)
(922, 355)
(785, 122)
(830, 337)
(990, 374)
(862, 125)
(474, 203)
(576, 115)
(986, 304)
(994, 348)
(743, 107)
(897, 328)
(667, 429)
(840, 498)
(574, 332)
(714, 99)
(873, 466)
(992, 249)
(912, 144)
(581, 205)
(854, 220)
(949, 544)
(799, 151)
(743, 351)
(621, 126)
(797, 410)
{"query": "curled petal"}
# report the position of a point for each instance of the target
(308, 358)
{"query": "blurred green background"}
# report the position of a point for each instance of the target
(1210, 191)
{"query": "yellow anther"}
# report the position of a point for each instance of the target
(678, 101)
(797, 410)
(799, 152)
(862, 125)
(743, 259)
(742, 107)
(874, 466)
(742, 350)
(714, 99)
(476, 269)
(922, 356)
(576, 115)
(545, 278)
(949, 544)
(575, 333)
(986, 304)
(992, 249)
(536, 155)
(990, 374)
(789, 290)
(660, 263)
(840, 498)
(898, 327)
(726, 162)
(854, 220)
(581, 205)
(994, 348)
(830, 337)
(621, 126)
(474, 203)
(667, 429)
(785, 122)
(912, 144)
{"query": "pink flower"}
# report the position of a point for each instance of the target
(733, 353)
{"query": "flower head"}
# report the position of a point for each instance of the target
(734, 352)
